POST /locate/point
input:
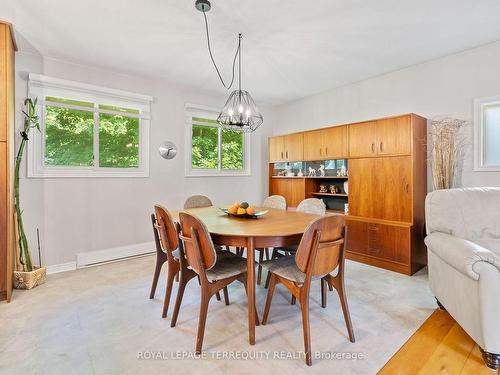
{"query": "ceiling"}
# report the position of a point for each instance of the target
(291, 49)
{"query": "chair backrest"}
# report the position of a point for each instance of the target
(166, 230)
(198, 245)
(275, 201)
(321, 246)
(312, 206)
(196, 201)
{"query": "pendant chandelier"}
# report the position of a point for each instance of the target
(240, 113)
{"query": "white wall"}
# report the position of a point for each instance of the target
(81, 215)
(446, 86)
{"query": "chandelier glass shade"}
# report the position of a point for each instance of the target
(240, 113)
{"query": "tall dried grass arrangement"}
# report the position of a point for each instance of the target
(446, 150)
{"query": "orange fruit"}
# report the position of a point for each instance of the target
(233, 210)
(236, 204)
(251, 210)
(241, 211)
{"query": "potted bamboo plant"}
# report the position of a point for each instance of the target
(26, 275)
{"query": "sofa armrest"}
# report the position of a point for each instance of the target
(460, 254)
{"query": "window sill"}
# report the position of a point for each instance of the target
(215, 174)
(72, 173)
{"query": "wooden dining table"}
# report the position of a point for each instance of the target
(277, 228)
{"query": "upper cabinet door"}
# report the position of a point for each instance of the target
(394, 136)
(334, 142)
(363, 139)
(294, 147)
(313, 144)
(276, 149)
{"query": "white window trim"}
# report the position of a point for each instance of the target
(190, 109)
(479, 105)
(41, 86)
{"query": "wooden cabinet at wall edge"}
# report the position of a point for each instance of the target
(7, 236)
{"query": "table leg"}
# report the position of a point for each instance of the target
(251, 290)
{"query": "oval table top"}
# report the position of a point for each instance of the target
(274, 223)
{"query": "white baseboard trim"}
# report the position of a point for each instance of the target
(92, 258)
(63, 267)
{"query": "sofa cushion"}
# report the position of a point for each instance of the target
(472, 214)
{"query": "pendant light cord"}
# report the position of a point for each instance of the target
(213, 60)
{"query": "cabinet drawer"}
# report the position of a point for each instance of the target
(382, 241)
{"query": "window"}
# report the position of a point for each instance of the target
(487, 134)
(212, 150)
(88, 131)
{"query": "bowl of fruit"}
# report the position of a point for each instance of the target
(244, 210)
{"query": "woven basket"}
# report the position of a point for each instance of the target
(28, 280)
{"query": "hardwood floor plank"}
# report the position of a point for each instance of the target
(451, 354)
(440, 346)
(475, 365)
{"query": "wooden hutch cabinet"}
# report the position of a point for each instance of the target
(387, 187)
(7, 48)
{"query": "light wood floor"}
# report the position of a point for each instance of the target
(440, 346)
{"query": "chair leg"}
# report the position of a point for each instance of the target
(183, 280)
(268, 278)
(267, 253)
(217, 295)
(171, 274)
(226, 296)
(293, 301)
(323, 293)
(270, 292)
(304, 306)
(345, 308)
(159, 264)
(259, 270)
(205, 299)
(491, 360)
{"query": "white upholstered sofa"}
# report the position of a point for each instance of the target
(463, 242)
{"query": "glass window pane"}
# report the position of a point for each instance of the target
(491, 135)
(69, 101)
(68, 137)
(204, 153)
(118, 109)
(232, 149)
(118, 141)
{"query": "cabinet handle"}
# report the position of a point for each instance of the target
(281, 154)
(287, 155)
(407, 187)
(326, 151)
(373, 147)
(381, 146)
(320, 151)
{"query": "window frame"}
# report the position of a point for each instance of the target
(41, 86)
(479, 105)
(196, 110)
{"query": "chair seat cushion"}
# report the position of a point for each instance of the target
(285, 267)
(227, 265)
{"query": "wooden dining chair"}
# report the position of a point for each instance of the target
(320, 252)
(215, 273)
(161, 258)
(309, 206)
(167, 241)
(196, 201)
